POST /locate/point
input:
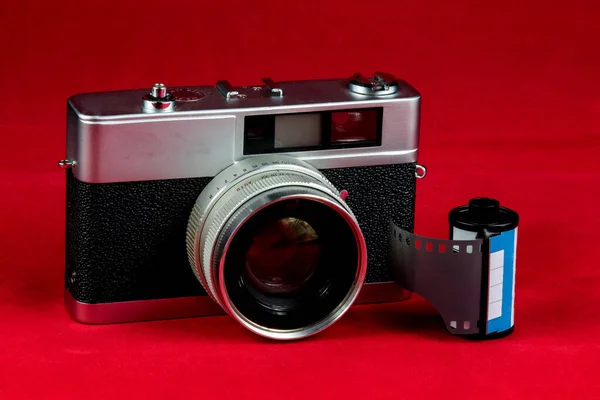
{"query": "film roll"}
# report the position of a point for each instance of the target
(469, 279)
(483, 218)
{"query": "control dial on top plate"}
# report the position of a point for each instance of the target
(380, 84)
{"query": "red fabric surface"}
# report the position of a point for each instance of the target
(511, 109)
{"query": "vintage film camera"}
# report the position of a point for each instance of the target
(280, 204)
(273, 200)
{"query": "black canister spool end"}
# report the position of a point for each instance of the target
(483, 213)
(484, 209)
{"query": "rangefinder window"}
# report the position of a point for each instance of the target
(298, 131)
(313, 131)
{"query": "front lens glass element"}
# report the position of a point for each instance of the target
(283, 255)
(291, 264)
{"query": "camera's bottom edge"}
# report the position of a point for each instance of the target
(194, 306)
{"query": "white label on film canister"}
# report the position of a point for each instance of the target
(460, 234)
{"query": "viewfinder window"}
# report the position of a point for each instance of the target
(313, 131)
(348, 127)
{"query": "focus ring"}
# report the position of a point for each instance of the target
(191, 238)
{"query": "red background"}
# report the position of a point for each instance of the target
(511, 109)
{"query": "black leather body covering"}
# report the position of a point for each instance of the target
(126, 241)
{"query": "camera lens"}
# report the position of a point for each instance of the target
(310, 273)
(277, 248)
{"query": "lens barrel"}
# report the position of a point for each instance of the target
(276, 247)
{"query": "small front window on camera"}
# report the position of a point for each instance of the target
(312, 131)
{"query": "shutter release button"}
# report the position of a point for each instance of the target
(158, 100)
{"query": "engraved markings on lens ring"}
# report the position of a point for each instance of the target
(254, 168)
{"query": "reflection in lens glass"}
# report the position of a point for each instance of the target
(283, 255)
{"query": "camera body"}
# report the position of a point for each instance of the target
(138, 160)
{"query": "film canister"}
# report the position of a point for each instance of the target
(484, 218)
(469, 279)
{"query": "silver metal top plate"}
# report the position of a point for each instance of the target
(112, 139)
(298, 94)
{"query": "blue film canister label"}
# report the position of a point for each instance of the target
(501, 289)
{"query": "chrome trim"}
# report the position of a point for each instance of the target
(194, 306)
(66, 164)
(159, 90)
(140, 310)
(420, 171)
